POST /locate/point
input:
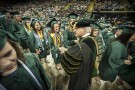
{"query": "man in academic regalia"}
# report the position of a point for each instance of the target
(78, 61)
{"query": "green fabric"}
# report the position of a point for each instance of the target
(69, 37)
(52, 22)
(127, 72)
(112, 60)
(22, 80)
(17, 31)
(24, 38)
(72, 16)
(2, 42)
(55, 51)
(8, 35)
(33, 44)
(7, 25)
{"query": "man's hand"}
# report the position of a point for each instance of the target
(128, 62)
(62, 49)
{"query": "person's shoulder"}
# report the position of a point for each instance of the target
(30, 58)
(117, 44)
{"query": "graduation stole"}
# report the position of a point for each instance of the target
(94, 42)
(39, 39)
(57, 39)
(29, 28)
(40, 34)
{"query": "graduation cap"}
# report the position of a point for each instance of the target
(52, 22)
(96, 26)
(72, 16)
(41, 19)
(128, 29)
(117, 28)
(32, 21)
(2, 42)
(84, 23)
(26, 18)
(15, 13)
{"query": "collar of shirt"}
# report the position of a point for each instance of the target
(87, 34)
(115, 36)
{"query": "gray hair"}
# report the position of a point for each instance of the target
(88, 29)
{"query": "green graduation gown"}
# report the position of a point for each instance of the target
(127, 72)
(70, 37)
(33, 44)
(22, 80)
(111, 61)
(17, 32)
(24, 38)
(8, 27)
(55, 48)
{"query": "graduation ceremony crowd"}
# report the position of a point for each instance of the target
(67, 45)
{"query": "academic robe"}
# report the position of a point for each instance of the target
(7, 25)
(17, 32)
(8, 28)
(54, 45)
(112, 59)
(78, 62)
(70, 37)
(22, 80)
(24, 38)
(127, 72)
(33, 44)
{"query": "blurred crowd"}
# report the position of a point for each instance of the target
(48, 28)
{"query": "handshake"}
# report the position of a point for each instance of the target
(62, 49)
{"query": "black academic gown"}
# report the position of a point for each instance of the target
(78, 62)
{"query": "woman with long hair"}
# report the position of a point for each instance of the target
(20, 71)
(39, 41)
(56, 41)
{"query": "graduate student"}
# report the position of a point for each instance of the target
(116, 55)
(20, 71)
